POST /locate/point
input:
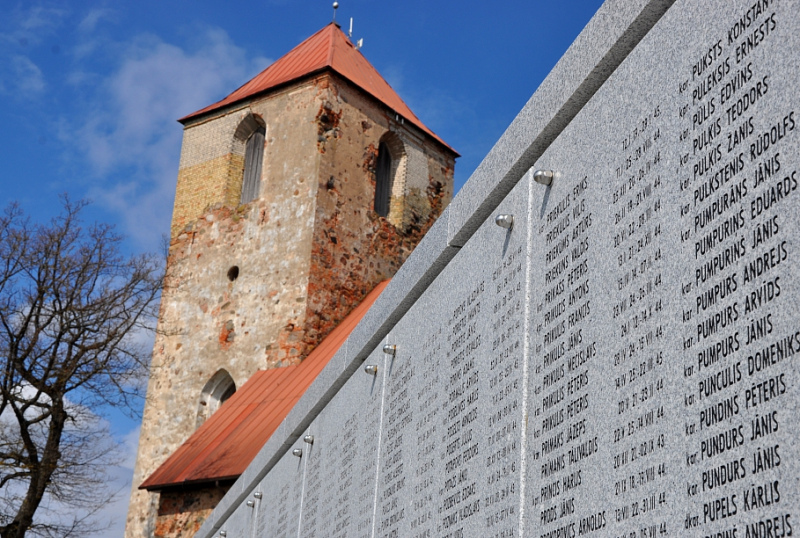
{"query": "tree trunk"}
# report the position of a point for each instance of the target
(40, 476)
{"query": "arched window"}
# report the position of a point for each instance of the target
(253, 157)
(252, 132)
(218, 389)
(383, 180)
(389, 172)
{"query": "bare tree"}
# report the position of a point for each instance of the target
(71, 309)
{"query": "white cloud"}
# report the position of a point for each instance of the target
(89, 22)
(78, 79)
(395, 76)
(26, 77)
(130, 134)
(130, 443)
(29, 26)
(40, 18)
(93, 40)
(20, 32)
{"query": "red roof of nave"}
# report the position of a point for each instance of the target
(226, 443)
(331, 49)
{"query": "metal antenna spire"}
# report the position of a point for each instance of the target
(335, 7)
(360, 42)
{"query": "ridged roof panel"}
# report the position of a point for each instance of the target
(329, 48)
(227, 442)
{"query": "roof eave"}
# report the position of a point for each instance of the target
(212, 109)
(188, 483)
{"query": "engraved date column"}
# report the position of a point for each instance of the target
(639, 461)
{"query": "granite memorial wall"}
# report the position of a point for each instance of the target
(617, 356)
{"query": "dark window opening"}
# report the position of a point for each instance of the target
(253, 158)
(227, 394)
(383, 180)
(217, 390)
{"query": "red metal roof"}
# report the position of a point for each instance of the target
(229, 440)
(329, 48)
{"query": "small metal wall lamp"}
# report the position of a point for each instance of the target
(371, 369)
(309, 439)
(297, 452)
(390, 349)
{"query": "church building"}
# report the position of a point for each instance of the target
(298, 195)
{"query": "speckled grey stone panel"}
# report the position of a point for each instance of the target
(453, 414)
(608, 38)
(663, 378)
(278, 514)
(342, 462)
(241, 522)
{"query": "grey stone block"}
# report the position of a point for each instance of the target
(282, 490)
(246, 484)
(642, 406)
(339, 498)
(434, 252)
(241, 521)
(453, 412)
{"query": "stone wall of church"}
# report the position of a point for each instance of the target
(353, 247)
(208, 320)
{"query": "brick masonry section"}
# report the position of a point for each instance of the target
(205, 184)
(181, 513)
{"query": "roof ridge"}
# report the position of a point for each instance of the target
(320, 51)
(331, 42)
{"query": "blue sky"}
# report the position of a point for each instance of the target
(90, 91)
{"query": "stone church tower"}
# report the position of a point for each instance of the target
(296, 195)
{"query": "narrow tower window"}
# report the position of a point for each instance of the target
(383, 180)
(253, 157)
